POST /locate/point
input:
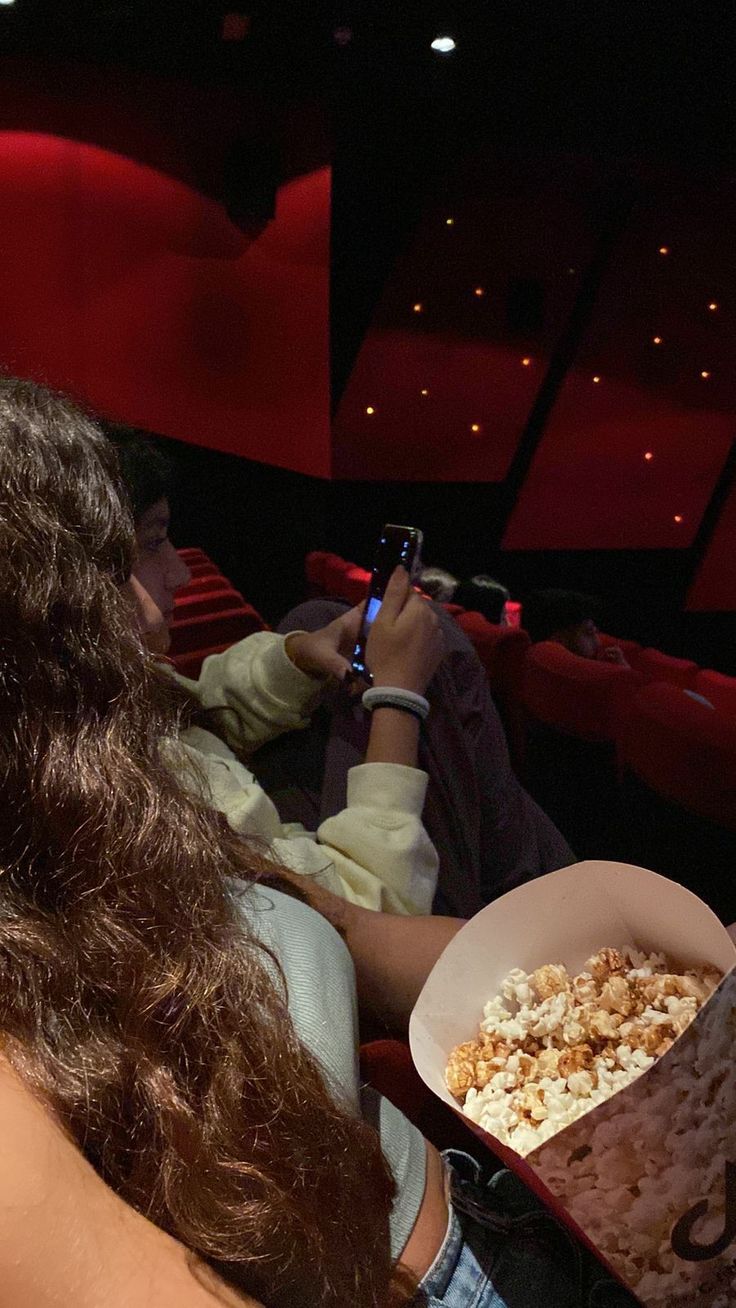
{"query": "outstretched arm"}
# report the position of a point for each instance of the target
(393, 955)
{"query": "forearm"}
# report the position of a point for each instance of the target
(394, 737)
(393, 956)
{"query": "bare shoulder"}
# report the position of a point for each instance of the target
(65, 1237)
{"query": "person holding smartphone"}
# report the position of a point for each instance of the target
(375, 850)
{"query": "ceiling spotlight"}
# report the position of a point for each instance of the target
(443, 44)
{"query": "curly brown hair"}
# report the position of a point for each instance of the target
(133, 1000)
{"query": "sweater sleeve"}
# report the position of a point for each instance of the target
(375, 852)
(265, 693)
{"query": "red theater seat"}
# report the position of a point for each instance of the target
(190, 665)
(333, 574)
(719, 689)
(208, 585)
(314, 569)
(678, 760)
(387, 1066)
(355, 583)
(200, 604)
(204, 569)
(663, 667)
(220, 629)
(502, 651)
(578, 696)
(570, 760)
(191, 555)
(629, 648)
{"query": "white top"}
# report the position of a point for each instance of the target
(323, 1005)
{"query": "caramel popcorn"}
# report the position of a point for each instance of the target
(572, 1041)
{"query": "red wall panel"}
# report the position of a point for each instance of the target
(666, 388)
(135, 293)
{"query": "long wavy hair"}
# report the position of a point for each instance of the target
(133, 999)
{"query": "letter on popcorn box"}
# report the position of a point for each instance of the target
(647, 1176)
(690, 1250)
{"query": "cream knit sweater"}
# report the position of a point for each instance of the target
(375, 853)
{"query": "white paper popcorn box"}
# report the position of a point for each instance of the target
(648, 1178)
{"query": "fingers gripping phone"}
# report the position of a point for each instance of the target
(397, 545)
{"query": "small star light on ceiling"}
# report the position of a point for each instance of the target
(369, 409)
(449, 222)
(649, 456)
(476, 428)
(425, 390)
(677, 518)
(656, 340)
(664, 249)
(596, 379)
(705, 374)
(713, 306)
(418, 307)
(526, 362)
(479, 292)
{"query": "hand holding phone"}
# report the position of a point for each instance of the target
(397, 547)
(405, 642)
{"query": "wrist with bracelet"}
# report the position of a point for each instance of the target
(396, 697)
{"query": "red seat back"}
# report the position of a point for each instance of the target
(719, 689)
(191, 555)
(682, 751)
(576, 695)
(188, 606)
(207, 585)
(630, 648)
(204, 568)
(657, 666)
(223, 628)
(501, 650)
(314, 567)
(190, 664)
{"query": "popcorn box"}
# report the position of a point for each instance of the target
(647, 1178)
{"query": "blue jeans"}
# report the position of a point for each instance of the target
(503, 1249)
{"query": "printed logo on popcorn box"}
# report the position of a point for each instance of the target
(583, 1024)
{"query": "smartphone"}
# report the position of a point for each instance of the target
(398, 545)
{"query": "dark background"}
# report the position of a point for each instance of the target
(637, 90)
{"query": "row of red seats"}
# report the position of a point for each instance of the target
(209, 615)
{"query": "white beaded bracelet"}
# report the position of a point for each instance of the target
(398, 698)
